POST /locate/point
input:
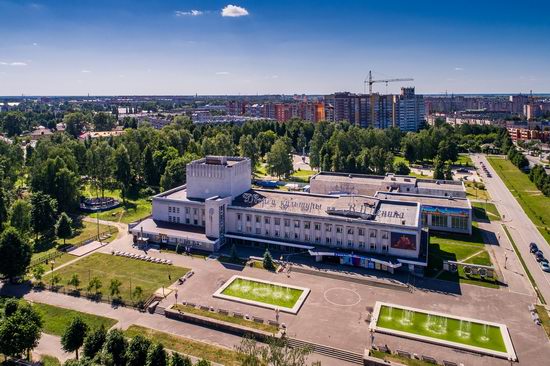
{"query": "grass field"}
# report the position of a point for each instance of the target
(302, 176)
(398, 359)
(88, 230)
(130, 272)
(56, 319)
(443, 328)
(485, 211)
(533, 202)
(464, 159)
(50, 361)
(271, 294)
(473, 193)
(457, 247)
(226, 318)
(544, 318)
(186, 346)
(133, 210)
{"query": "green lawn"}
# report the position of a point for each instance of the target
(485, 211)
(398, 158)
(56, 319)
(50, 361)
(544, 318)
(302, 176)
(473, 193)
(88, 230)
(130, 272)
(458, 247)
(533, 202)
(186, 346)
(133, 210)
(263, 292)
(261, 170)
(226, 318)
(442, 328)
(464, 159)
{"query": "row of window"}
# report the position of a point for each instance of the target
(297, 224)
(194, 220)
(457, 222)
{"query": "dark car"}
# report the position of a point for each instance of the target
(539, 256)
(533, 248)
(544, 266)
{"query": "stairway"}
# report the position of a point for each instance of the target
(320, 349)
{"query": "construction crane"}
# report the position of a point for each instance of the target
(370, 82)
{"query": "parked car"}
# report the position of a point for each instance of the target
(545, 266)
(533, 248)
(539, 256)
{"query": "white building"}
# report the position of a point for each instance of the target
(218, 206)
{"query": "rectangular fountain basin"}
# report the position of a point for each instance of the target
(266, 294)
(444, 329)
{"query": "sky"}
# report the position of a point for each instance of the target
(142, 47)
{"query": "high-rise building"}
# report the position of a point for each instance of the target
(347, 106)
(408, 111)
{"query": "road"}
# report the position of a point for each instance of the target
(521, 228)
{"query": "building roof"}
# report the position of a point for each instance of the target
(350, 207)
(425, 199)
(172, 230)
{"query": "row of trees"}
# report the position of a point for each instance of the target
(541, 179)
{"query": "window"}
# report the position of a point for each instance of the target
(372, 234)
(287, 223)
(248, 218)
(239, 217)
(187, 220)
(317, 239)
(372, 246)
(329, 239)
(266, 220)
(277, 221)
(178, 210)
(248, 229)
(317, 226)
(276, 233)
(439, 220)
(287, 235)
(350, 243)
(424, 220)
(258, 219)
(258, 231)
(385, 234)
(328, 228)
(170, 209)
(338, 229)
(296, 224)
(267, 232)
(384, 248)
(306, 237)
(187, 210)
(459, 222)
(195, 211)
(361, 232)
(195, 222)
(296, 236)
(306, 225)
(178, 219)
(350, 231)
(338, 242)
(362, 244)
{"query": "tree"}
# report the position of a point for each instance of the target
(43, 213)
(63, 227)
(279, 160)
(114, 287)
(101, 165)
(115, 347)
(74, 281)
(438, 169)
(73, 337)
(174, 174)
(448, 172)
(179, 360)
(3, 207)
(249, 148)
(75, 123)
(14, 123)
(401, 168)
(94, 284)
(149, 168)
(203, 362)
(136, 354)
(156, 356)
(277, 352)
(20, 331)
(37, 272)
(15, 254)
(123, 170)
(55, 279)
(137, 295)
(103, 121)
(20, 215)
(268, 261)
(93, 343)
(447, 150)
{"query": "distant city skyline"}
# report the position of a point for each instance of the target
(259, 47)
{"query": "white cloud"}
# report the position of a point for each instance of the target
(222, 73)
(86, 71)
(15, 63)
(35, 44)
(192, 13)
(459, 69)
(234, 11)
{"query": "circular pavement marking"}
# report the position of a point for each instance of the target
(341, 296)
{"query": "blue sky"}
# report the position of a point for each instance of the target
(185, 47)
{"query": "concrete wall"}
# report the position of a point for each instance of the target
(208, 180)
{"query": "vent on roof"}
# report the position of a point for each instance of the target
(402, 222)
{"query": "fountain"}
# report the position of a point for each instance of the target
(390, 309)
(436, 324)
(407, 317)
(485, 336)
(464, 329)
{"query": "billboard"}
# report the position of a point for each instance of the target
(403, 241)
(452, 211)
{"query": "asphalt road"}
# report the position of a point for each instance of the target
(521, 228)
